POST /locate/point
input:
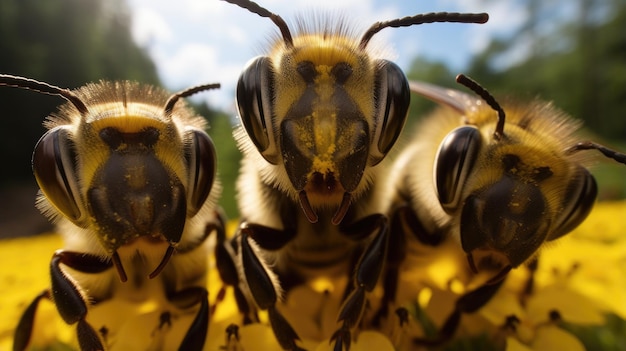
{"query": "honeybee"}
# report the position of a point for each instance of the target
(128, 174)
(318, 114)
(499, 179)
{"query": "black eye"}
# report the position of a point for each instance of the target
(254, 98)
(393, 97)
(150, 136)
(201, 165)
(341, 71)
(580, 197)
(54, 165)
(453, 163)
(306, 69)
(111, 136)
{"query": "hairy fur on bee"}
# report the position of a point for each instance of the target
(267, 197)
(319, 113)
(143, 105)
(266, 194)
(487, 184)
(541, 130)
(127, 173)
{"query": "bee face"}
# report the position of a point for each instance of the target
(318, 114)
(128, 172)
(314, 111)
(510, 187)
(515, 194)
(126, 166)
(323, 109)
(501, 179)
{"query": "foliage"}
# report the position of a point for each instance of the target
(66, 43)
(432, 72)
(579, 66)
(586, 266)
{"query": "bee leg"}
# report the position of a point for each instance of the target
(232, 338)
(367, 273)
(196, 335)
(250, 314)
(403, 316)
(395, 257)
(403, 221)
(529, 287)
(225, 253)
(264, 287)
(67, 297)
(225, 259)
(269, 239)
(390, 288)
(467, 303)
(24, 329)
(408, 222)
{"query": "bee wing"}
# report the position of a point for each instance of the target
(461, 102)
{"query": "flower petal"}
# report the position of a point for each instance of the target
(551, 337)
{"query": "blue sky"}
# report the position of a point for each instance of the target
(199, 41)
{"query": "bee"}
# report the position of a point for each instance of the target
(128, 174)
(499, 179)
(318, 113)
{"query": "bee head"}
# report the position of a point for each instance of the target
(324, 109)
(510, 195)
(120, 163)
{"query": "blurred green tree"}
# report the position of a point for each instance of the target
(578, 62)
(66, 43)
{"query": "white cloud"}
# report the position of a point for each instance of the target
(505, 18)
(197, 63)
(198, 41)
(188, 63)
(149, 27)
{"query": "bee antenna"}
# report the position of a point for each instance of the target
(489, 99)
(421, 19)
(44, 88)
(169, 105)
(589, 145)
(263, 12)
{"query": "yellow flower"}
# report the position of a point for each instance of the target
(579, 279)
(592, 259)
(548, 337)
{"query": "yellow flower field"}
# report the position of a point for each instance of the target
(579, 294)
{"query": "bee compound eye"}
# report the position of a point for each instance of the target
(580, 196)
(455, 158)
(54, 166)
(307, 71)
(393, 99)
(254, 98)
(201, 165)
